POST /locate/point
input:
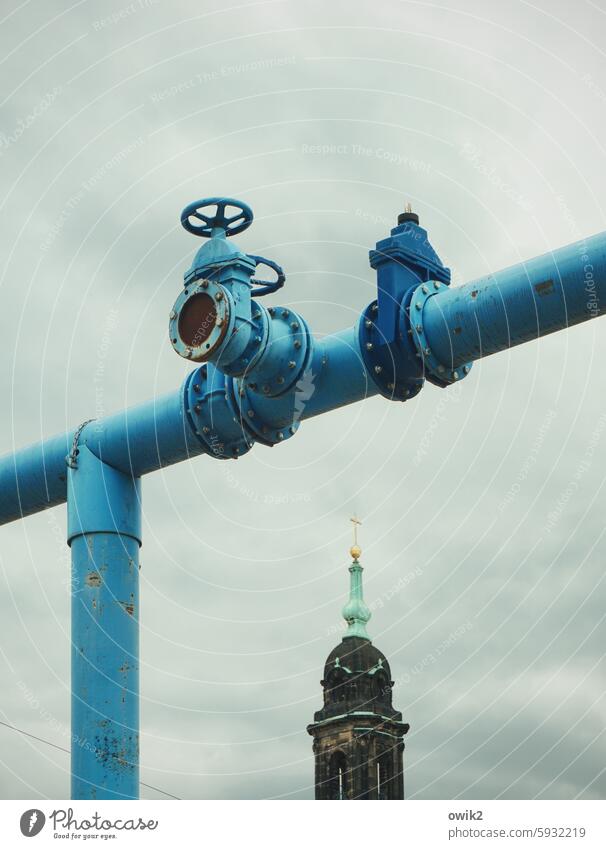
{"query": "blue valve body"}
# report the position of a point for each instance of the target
(404, 261)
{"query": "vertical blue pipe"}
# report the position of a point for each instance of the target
(104, 532)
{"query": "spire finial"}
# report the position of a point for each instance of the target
(356, 612)
(355, 550)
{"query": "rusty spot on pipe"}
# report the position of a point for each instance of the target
(474, 293)
(544, 288)
(93, 579)
(128, 606)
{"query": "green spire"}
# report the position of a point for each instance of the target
(356, 613)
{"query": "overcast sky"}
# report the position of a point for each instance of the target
(484, 564)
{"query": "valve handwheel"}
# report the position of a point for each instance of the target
(230, 224)
(266, 287)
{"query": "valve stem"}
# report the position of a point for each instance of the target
(408, 215)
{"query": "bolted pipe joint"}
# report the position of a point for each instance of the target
(213, 413)
(438, 372)
(280, 352)
(263, 403)
(394, 368)
(404, 262)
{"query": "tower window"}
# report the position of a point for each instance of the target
(337, 782)
(383, 767)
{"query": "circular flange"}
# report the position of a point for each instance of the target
(397, 376)
(213, 410)
(200, 319)
(253, 423)
(435, 371)
(285, 357)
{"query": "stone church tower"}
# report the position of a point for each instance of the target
(358, 736)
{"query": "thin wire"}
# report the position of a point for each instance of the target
(63, 749)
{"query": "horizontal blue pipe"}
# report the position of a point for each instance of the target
(136, 441)
(336, 377)
(337, 362)
(34, 478)
(518, 304)
(158, 433)
(145, 438)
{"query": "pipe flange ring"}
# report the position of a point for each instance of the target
(200, 319)
(435, 371)
(214, 414)
(397, 375)
(253, 423)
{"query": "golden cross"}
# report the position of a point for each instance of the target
(355, 522)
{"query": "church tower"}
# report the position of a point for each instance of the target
(358, 736)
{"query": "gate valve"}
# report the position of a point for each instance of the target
(391, 331)
(212, 319)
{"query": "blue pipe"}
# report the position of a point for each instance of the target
(335, 376)
(34, 478)
(518, 304)
(147, 437)
(104, 532)
(162, 431)
(136, 441)
(338, 361)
